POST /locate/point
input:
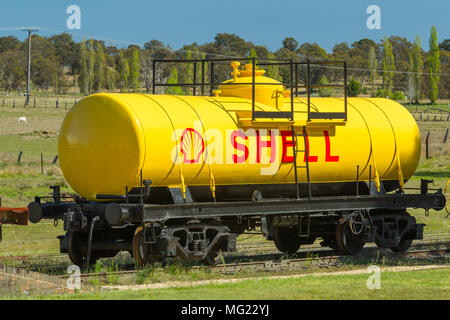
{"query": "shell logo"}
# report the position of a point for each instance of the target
(192, 145)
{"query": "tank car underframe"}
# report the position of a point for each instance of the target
(197, 231)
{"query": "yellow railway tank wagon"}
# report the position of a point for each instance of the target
(127, 133)
(132, 156)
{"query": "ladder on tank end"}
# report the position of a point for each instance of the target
(311, 116)
(295, 152)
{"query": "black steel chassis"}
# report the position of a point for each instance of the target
(184, 229)
(273, 207)
(137, 213)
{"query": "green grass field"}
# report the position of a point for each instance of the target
(429, 284)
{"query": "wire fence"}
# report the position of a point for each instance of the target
(61, 103)
(424, 116)
(43, 162)
(66, 103)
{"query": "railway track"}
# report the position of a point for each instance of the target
(281, 262)
(243, 249)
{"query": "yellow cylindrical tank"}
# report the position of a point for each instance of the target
(107, 139)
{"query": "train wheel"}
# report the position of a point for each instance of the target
(77, 248)
(346, 241)
(287, 239)
(140, 249)
(403, 245)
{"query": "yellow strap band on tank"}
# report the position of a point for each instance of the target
(401, 181)
(182, 184)
(377, 176)
(180, 171)
(212, 184)
(372, 154)
(212, 181)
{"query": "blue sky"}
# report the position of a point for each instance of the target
(176, 22)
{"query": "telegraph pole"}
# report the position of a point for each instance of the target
(29, 30)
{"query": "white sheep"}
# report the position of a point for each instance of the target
(22, 119)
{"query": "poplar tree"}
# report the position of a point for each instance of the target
(173, 79)
(206, 67)
(189, 71)
(135, 68)
(99, 69)
(388, 65)
(273, 71)
(372, 64)
(124, 70)
(434, 66)
(253, 55)
(90, 65)
(197, 55)
(416, 63)
(109, 78)
(83, 80)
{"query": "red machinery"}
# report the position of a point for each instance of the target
(17, 216)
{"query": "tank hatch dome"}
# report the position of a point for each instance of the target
(268, 91)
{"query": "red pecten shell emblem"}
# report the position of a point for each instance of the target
(192, 146)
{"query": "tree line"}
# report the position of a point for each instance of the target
(392, 67)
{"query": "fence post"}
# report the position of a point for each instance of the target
(34, 105)
(3, 103)
(14, 102)
(446, 135)
(20, 156)
(57, 103)
(42, 164)
(426, 145)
